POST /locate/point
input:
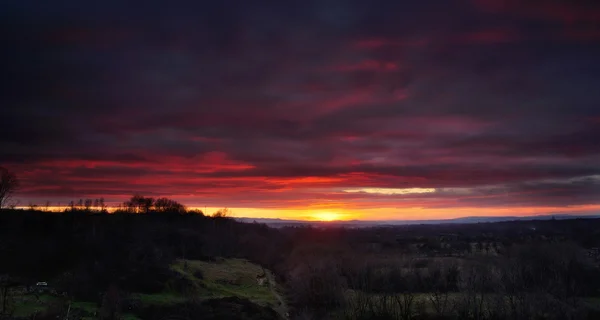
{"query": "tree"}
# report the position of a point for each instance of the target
(8, 185)
(443, 280)
(168, 205)
(139, 204)
(88, 204)
(102, 204)
(222, 213)
(7, 295)
(111, 303)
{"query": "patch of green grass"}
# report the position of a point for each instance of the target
(83, 305)
(260, 295)
(27, 304)
(227, 278)
(593, 302)
(163, 298)
(28, 309)
(46, 298)
(129, 316)
(235, 270)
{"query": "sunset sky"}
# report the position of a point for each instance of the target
(318, 109)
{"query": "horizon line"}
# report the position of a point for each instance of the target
(111, 209)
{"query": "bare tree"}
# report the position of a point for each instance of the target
(88, 204)
(475, 280)
(317, 285)
(111, 303)
(6, 295)
(8, 185)
(102, 204)
(222, 213)
(443, 280)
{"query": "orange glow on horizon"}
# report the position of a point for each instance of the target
(326, 216)
(339, 213)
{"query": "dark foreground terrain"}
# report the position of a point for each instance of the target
(168, 263)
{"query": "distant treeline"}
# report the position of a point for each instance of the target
(136, 204)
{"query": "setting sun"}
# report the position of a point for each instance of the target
(326, 216)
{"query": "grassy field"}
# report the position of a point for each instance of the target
(27, 305)
(227, 278)
(219, 279)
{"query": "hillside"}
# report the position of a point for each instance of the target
(227, 282)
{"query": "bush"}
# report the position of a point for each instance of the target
(225, 308)
(198, 274)
(131, 305)
(182, 285)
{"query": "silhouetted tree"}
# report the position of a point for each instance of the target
(7, 295)
(317, 285)
(443, 280)
(8, 185)
(102, 204)
(111, 303)
(222, 213)
(88, 204)
(168, 205)
(139, 203)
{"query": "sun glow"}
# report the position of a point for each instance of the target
(326, 216)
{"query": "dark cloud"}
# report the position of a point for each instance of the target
(291, 103)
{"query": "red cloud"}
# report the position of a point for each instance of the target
(375, 43)
(489, 36)
(368, 65)
(582, 34)
(568, 12)
(95, 37)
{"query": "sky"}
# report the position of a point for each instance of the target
(316, 109)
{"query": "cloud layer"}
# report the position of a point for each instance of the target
(267, 104)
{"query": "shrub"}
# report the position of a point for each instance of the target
(198, 274)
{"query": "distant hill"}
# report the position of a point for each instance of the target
(369, 223)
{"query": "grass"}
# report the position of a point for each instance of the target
(86, 306)
(126, 316)
(27, 305)
(28, 308)
(593, 302)
(129, 316)
(220, 279)
(227, 278)
(163, 298)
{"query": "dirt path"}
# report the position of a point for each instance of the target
(282, 309)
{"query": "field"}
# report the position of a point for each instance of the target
(202, 281)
